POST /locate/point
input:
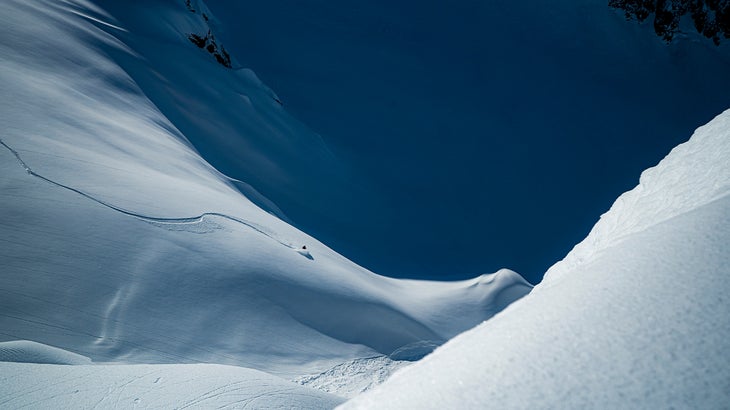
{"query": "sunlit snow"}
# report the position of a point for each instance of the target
(120, 243)
(135, 274)
(636, 316)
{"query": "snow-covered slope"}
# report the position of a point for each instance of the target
(44, 386)
(25, 351)
(353, 377)
(636, 316)
(121, 243)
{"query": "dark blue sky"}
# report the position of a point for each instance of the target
(493, 133)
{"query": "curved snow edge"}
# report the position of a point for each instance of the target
(693, 174)
(26, 351)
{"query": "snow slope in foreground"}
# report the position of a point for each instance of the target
(119, 242)
(636, 316)
(44, 386)
(47, 377)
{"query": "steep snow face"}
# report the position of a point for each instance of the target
(635, 317)
(152, 387)
(693, 175)
(119, 242)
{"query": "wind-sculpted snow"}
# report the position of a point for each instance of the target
(635, 317)
(25, 351)
(120, 243)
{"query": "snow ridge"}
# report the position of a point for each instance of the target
(25, 351)
(635, 317)
(693, 174)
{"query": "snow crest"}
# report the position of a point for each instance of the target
(25, 351)
(635, 317)
(693, 174)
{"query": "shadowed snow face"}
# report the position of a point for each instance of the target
(496, 131)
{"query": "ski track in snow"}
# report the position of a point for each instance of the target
(159, 220)
(153, 386)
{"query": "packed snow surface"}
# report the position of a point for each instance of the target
(122, 244)
(197, 386)
(636, 316)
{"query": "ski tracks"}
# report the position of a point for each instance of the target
(197, 219)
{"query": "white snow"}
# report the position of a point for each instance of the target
(353, 377)
(26, 351)
(636, 316)
(120, 243)
(43, 386)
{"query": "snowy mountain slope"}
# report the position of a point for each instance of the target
(228, 115)
(634, 317)
(481, 109)
(693, 175)
(43, 386)
(121, 243)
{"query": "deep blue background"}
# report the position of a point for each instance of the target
(495, 132)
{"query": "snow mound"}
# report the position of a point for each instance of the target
(635, 317)
(25, 351)
(353, 377)
(44, 386)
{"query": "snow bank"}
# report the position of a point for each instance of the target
(635, 317)
(26, 351)
(42, 386)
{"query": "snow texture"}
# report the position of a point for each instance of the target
(25, 351)
(634, 317)
(121, 243)
(353, 377)
(43, 386)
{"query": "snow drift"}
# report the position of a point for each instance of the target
(634, 317)
(120, 242)
(25, 351)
